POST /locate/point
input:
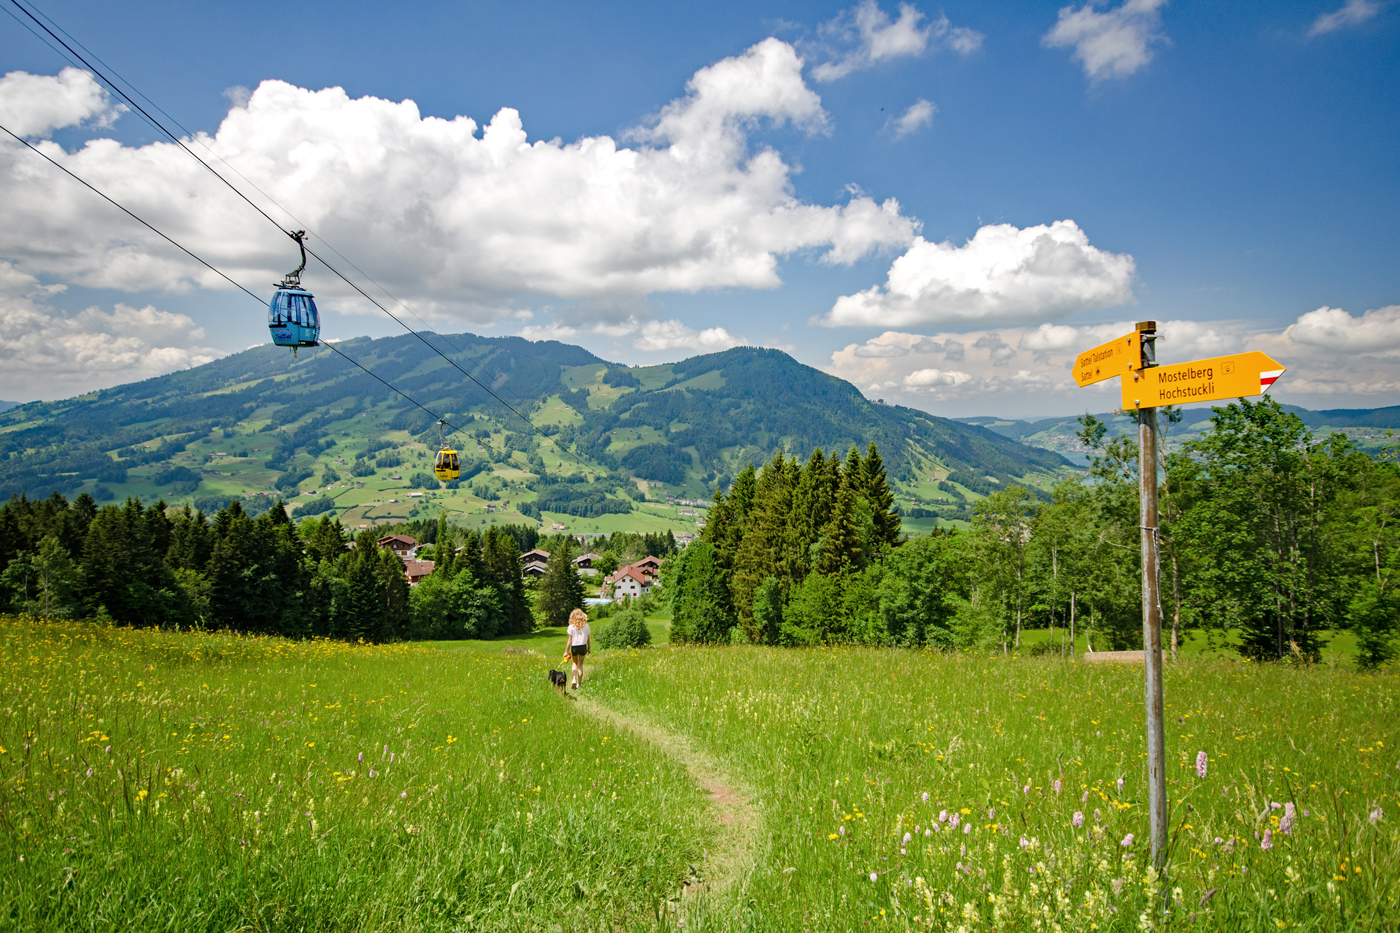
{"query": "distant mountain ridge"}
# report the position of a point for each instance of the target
(1058, 434)
(260, 422)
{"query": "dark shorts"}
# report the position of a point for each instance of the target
(578, 651)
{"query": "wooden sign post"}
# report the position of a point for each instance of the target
(1151, 605)
(1145, 387)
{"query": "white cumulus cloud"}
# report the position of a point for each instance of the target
(919, 115)
(1376, 331)
(921, 378)
(875, 38)
(463, 220)
(43, 350)
(658, 336)
(1113, 44)
(34, 105)
(1353, 13)
(1003, 275)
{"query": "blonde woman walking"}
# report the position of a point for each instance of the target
(577, 642)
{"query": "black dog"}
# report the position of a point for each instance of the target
(558, 678)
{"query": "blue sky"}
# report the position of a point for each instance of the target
(1227, 168)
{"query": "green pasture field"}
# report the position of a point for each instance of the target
(154, 780)
(160, 781)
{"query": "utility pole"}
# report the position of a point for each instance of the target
(1152, 609)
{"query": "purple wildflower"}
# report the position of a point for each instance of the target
(1026, 790)
(925, 796)
(1120, 785)
(403, 796)
(1377, 815)
(1201, 762)
(935, 829)
(1078, 819)
(929, 832)
(1085, 798)
(991, 814)
(391, 757)
(874, 877)
(1056, 786)
(1267, 842)
(107, 750)
(362, 757)
(1127, 841)
(964, 850)
(842, 830)
(1218, 840)
(89, 774)
(967, 828)
(1098, 815)
(907, 837)
(1025, 843)
(1285, 824)
(386, 751)
(942, 816)
(373, 773)
(954, 820)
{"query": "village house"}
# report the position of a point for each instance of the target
(402, 545)
(634, 580)
(584, 564)
(628, 583)
(416, 570)
(532, 563)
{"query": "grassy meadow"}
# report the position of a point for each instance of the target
(160, 781)
(154, 780)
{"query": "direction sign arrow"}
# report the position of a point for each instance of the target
(1221, 377)
(1115, 358)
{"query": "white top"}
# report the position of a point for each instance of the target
(578, 636)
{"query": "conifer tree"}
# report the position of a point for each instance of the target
(881, 498)
(191, 540)
(841, 550)
(701, 611)
(325, 539)
(760, 550)
(501, 568)
(561, 589)
(809, 501)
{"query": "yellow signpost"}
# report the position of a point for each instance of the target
(1118, 357)
(1147, 387)
(1221, 377)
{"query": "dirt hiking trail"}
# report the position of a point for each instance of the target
(718, 883)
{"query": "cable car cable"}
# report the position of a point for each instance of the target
(220, 273)
(156, 123)
(119, 207)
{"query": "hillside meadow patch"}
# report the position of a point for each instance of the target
(192, 781)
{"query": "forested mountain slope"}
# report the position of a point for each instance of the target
(260, 423)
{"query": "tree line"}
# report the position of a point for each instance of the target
(1267, 536)
(152, 566)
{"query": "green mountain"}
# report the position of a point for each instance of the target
(613, 443)
(1367, 427)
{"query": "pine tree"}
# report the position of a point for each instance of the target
(881, 498)
(841, 551)
(701, 609)
(191, 541)
(810, 505)
(561, 589)
(760, 550)
(325, 539)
